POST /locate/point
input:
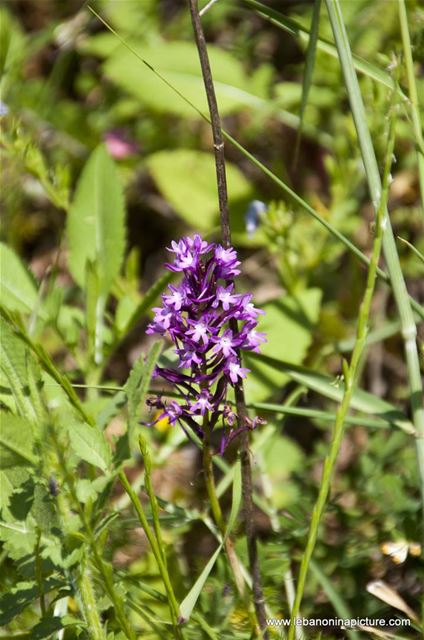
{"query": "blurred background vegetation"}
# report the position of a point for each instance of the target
(70, 84)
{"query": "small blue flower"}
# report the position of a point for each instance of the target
(253, 216)
(4, 109)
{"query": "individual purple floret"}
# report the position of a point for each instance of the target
(209, 324)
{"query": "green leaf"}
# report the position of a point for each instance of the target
(11, 479)
(16, 441)
(19, 539)
(288, 324)
(43, 509)
(48, 625)
(21, 596)
(178, 63)
(18, 290)
(17, 370)
(14, 365)
(89, 443)
(139, 379)
(276, 449)
(95, 227)
(137, 386)
(187, 179)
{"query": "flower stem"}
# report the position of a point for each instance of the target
(217, 512)
(218, 143)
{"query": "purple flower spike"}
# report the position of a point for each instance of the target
(208, 324)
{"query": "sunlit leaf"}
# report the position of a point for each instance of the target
(17, 286)
(95, 227)
(187, 179)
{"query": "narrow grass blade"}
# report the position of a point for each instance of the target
(299, 31)
(327, 416)
(413, 249)
(334, 389)
(307, 76)
(350, 374)
(409, 331)
(413, 93)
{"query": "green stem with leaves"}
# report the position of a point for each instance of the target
(85, 586)
(350, 375)
(155, 545)
(400, 292)
(88, 602)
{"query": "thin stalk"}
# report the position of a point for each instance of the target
(247, 488)
(350, 375)
(39, 576)
(413, 94)
(157, 552)
(400, 292)
(89, 604)
(217, 512)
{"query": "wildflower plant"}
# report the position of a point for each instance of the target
(209, 324)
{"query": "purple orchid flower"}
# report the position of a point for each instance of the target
(208, 324)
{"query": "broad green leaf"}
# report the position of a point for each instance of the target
(288, 324)
(178, 63)
(187, 179)
(96, 221)
(18, 538)
(89, 443)
(17, 286)
(11, 479)
(189, 602)
(16, 441)
(16, 599)
(16, 343)
(18, 372)
(276, 449)
(12, 50)
(43, 509)
(51, 624)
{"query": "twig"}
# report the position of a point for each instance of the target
(247, 488)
